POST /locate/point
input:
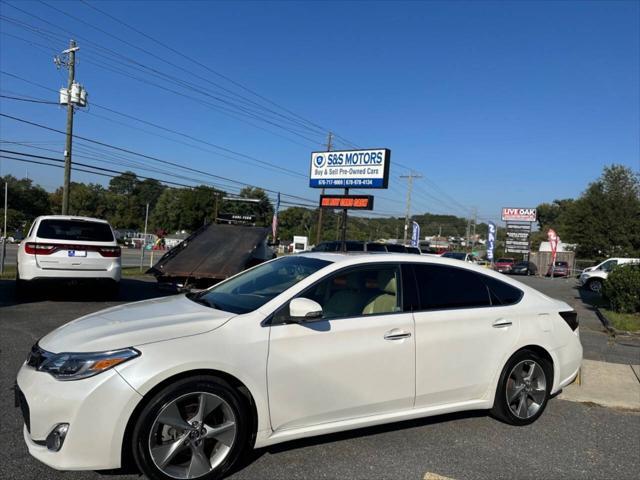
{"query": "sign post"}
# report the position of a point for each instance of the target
(349, 169)
(519, 221)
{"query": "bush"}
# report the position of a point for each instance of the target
(622, 289)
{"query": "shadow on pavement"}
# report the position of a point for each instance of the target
(254, 455)
(131, 290)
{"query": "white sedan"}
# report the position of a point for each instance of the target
(302, 345)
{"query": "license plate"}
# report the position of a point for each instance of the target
(77, 253)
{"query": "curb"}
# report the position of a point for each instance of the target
(610, 328)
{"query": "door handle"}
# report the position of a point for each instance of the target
(396, 334)
(501, 323)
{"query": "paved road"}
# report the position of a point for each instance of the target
(130, 256)
(597, 343)
(570, 441)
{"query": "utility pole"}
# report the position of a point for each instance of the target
(144, 240)
(475, 221)
(3, 253)
(409, 178)
(71, 64)
(319, 232)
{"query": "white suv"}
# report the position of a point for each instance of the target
(593, 278)
(62, 247)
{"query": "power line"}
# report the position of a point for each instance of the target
(167, 162)
(22, 99)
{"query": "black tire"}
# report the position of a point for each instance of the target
(112, 290)
(209, 384)
(595, 285)
(502, 408)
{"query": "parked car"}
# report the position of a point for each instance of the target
(61, 248)
(185, 384)
(465, 257)
(360, 246)
(559, 269)
(504, 265)
(524, 268)
(592, 278)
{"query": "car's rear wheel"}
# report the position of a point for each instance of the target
(523, 389)
(195, 428)
(595, 285)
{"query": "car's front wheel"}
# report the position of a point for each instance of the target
(194, 428)
(595, 285)
(523, 389)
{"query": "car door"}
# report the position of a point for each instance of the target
(358, 360)
(464, 330)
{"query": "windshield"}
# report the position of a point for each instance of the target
(61, 229)
(456, 255)
(253, 288)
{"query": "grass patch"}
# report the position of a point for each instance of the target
(9, 272)
(629, 322)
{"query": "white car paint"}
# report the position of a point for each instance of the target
(305, 379)
(61, 264)
(601, 271)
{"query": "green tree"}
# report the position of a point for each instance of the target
(263, 210)
(25, 201)
(605, 220)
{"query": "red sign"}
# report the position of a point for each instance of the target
(519, 214)
(352, 202)
(553, 242)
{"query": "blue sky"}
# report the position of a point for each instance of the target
(495, 103)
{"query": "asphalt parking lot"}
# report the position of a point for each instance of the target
(571, 440)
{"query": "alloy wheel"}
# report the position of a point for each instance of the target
(192, 435)
(526, 389)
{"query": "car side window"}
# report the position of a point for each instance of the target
(443, 287)
(501, 293)
(608, 266)
(357, 292)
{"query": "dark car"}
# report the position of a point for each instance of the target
(560, 269)
(524, 268)
(359, 246)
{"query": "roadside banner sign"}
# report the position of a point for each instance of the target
(415, 235)
(350, 168)
(274, 222)
(352, 202)
(491, 241)
(553, 242)
(518, 237)
(519, 214)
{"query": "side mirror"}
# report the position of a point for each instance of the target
(304, 310)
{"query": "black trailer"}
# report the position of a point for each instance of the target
(212, 254)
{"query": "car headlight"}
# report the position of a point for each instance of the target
(74, 366)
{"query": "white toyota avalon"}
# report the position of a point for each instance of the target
(302, 345)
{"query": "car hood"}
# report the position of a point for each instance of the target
(134, 324)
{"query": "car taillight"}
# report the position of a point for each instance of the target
(39, 248)
(109, 251)
(571, 318)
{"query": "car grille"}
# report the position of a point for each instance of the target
(21, 401)
(37, 356)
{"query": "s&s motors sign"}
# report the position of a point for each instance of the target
(350, 169)
(519, 214)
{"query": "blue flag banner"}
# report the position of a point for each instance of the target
(415, 235)
(491, 240)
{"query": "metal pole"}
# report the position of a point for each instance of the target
(319, 232)
(409, 178)
(67, 151)
(144, 240)
(4, 238)
(344, 225)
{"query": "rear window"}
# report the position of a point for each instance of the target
(54, 229)
(394, 247)
(562, 264)
(501, 293)
(443, 287)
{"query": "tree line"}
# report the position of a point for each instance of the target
(603, 221)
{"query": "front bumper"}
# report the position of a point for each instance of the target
(96, 408)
